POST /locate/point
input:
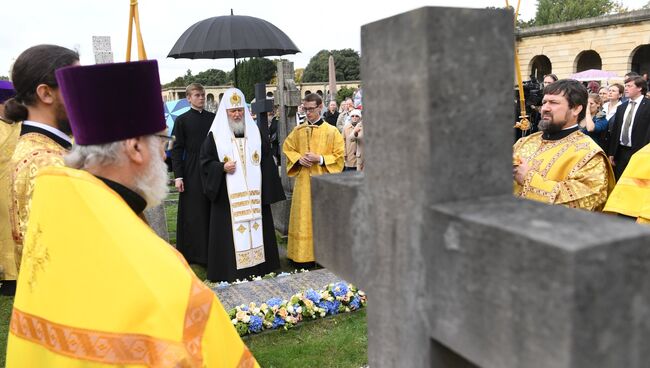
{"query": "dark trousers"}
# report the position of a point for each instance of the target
(348, 168)
(621, 159)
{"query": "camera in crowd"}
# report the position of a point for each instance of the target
(533, 96)
(533, 92)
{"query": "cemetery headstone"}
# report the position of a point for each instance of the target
(458, 272)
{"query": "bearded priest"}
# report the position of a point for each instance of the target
(98, 287)
(242, 241)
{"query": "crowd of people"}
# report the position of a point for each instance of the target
(590, 148)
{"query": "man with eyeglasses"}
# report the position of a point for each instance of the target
(312, 148)
(193, 216)
(104, 286)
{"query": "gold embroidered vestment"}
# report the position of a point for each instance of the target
(572, 171)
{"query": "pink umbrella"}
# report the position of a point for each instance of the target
(594, 75)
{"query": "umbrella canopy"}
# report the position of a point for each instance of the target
(232, 36)
(332, 78)
(594, 75)
(174, 109)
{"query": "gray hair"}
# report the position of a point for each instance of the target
(98, 155)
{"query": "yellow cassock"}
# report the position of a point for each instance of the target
(33, 151)
(631, 196)
(8, 138)
(324, 140)
(99, 288)
(572, 171)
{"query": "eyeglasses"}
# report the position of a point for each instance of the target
(167, 140)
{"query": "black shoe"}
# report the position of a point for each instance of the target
(8, 287)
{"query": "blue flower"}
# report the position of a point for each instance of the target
(355, 303)
(274, 302)
(278, 321)
(340, 289)
(331, 307)
(335, 307)
(312, 295)
(255, 324)
(244, 308)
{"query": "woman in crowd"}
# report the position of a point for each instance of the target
(614, 94)
(595, 122)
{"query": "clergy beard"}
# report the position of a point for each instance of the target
(237, 127)
(548, 125)
(152, 183)
(62, 121)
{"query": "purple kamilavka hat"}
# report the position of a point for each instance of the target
(7, 91)
(112, 102)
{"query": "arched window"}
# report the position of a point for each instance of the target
(588, 60)
(641, 60)
(540, 65)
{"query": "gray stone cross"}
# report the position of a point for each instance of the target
(458, 272)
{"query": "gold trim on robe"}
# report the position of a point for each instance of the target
(9, 134)
(572, 171)
(97, 299)
(33, 151)
(323, 140)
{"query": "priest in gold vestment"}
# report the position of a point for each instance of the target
(98, 287)
(44, 132)
(631, 196)
(9, 132)
(559, 164)
(312, 148)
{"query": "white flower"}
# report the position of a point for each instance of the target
(246, 319)
(299, 310)
(290, 308)
(234, 321)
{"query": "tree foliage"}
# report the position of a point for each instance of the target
(4, 77)
(556, 11)
(343, 93)
(346, 63)
(254, 70)
(210, 77)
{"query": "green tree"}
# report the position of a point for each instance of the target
(346, 63)
(211, 77)
(251, 71)
(343, 93)
(556, 11)
(4, 77)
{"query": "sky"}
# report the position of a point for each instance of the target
(72, 23)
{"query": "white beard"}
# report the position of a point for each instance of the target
(237, 127)
(152, 183)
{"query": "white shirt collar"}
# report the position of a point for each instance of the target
(571, 127)
(49, 128)
(638, 100)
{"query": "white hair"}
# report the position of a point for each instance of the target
(97, 155)
(151, 183)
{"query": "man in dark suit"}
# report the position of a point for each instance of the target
(630, 130)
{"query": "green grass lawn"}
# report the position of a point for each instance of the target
(340, 341)
(6, 303)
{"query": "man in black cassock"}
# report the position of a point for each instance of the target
(241, 180)
(193, 216)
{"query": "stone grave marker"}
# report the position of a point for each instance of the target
(459, 272)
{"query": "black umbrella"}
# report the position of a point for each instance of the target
(232, 36)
